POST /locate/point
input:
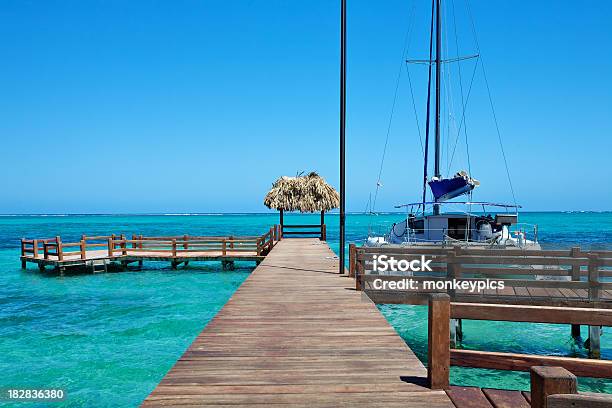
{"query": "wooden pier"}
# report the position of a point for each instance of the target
(95, 253)
(297, 334)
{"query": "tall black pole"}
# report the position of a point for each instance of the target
(342, 130)
(438, 69)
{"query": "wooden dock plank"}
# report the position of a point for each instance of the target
(298, 334)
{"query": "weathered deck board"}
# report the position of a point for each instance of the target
(297, 334)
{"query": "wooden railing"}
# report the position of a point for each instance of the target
(174, 246)
(583, 271)
(305, 229)
(441, 356)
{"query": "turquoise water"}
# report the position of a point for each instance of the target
(107, 339)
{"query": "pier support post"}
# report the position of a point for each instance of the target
(594, 344)
(547, 381)
(227, 265)
(140, 264)
(456, 332)
(174, 265)
(575, 253)
(575, 331)
(453, 332)
(62, 270)
(438, 342)
(41, 267)
(23, 264)
(594, 331)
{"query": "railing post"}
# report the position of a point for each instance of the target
(83, 252)
(351, 260)
(359, 271)
(271, 242)
(173, 247)
(594, 331)
(438, 342)
(35, 248)
(547, 381)
(141, 241)
(224, 247)
(575, 253)
(258, 246)
(110, 247)
(186, 240)
(23, 262)
(60, 250)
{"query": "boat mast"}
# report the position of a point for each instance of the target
(427, 126)
(437, 174)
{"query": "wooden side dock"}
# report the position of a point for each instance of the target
(96, 252)
(298, 334)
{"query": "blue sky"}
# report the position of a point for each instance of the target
(197, 106)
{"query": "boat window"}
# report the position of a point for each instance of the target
(417, 226)
(457, 228)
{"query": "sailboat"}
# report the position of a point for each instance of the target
(491, 224)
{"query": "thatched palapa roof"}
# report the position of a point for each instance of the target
(309, 193)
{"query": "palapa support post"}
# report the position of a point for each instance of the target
(281, 220)
(547, 381)
(594, 345)
(438, 342)
(575, 253)
(323, 227)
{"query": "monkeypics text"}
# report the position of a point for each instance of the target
(384, 263)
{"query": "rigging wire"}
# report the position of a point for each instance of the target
(467, 145)
(484, 74)
(464, 109)
(399, 73)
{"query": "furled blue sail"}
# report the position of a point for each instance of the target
(445, 189)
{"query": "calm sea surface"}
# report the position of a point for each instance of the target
(108, 339)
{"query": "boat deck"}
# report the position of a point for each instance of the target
(298, 334)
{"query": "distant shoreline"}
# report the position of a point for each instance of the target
(217, 214)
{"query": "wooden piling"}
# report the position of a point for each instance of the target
(594, 331)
